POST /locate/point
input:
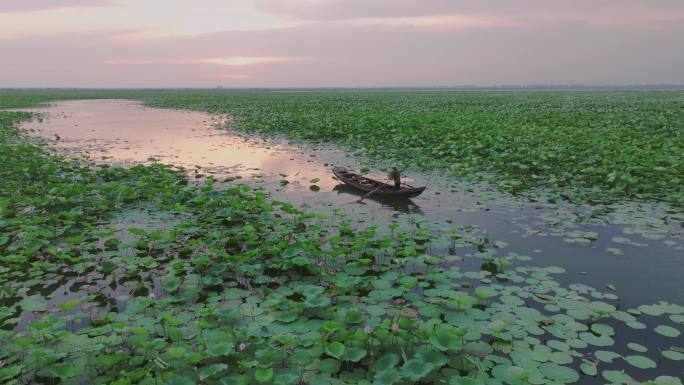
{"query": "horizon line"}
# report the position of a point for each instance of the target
(410, 88)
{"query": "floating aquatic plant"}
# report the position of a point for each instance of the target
(241, 289)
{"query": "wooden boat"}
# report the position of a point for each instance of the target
(376, 187)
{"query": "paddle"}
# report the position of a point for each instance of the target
(371, 192)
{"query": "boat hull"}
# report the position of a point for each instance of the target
(368, 185)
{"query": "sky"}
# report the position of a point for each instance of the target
(339, 43)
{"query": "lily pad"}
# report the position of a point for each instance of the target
(62, 371)
(562, 374)
(335, 349)
(414, 369)
(637, 347)
(589, 368)
(606, 356)
(263, 374)
(640, 362)
(616, 376)
(446, 338)
(387, 377)
(667, 331)
(673, 355)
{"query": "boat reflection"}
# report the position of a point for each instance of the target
(403, 205)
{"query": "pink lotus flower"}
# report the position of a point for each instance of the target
(368, 329)
(394, 327)
(242, 346)
(194, 347)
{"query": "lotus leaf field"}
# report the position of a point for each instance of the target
(587, 145)
(239, 288)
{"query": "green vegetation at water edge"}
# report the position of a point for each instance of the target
(585, 145)
(597, 145)
(231, 287)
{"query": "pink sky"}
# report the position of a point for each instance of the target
(323, 43)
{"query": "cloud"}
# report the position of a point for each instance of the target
(441, 21)
(35, 5)
(591, 11)
(350, 43)
(222, 61)
(246, 60)
(338, 54)
(231, 77)
(137, 61)
(159, 19)
(138, 19)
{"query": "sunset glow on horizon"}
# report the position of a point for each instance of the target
(244, 60)
(159, 43)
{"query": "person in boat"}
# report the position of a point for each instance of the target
(397, 177)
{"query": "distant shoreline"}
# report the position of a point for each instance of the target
(664, 87)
